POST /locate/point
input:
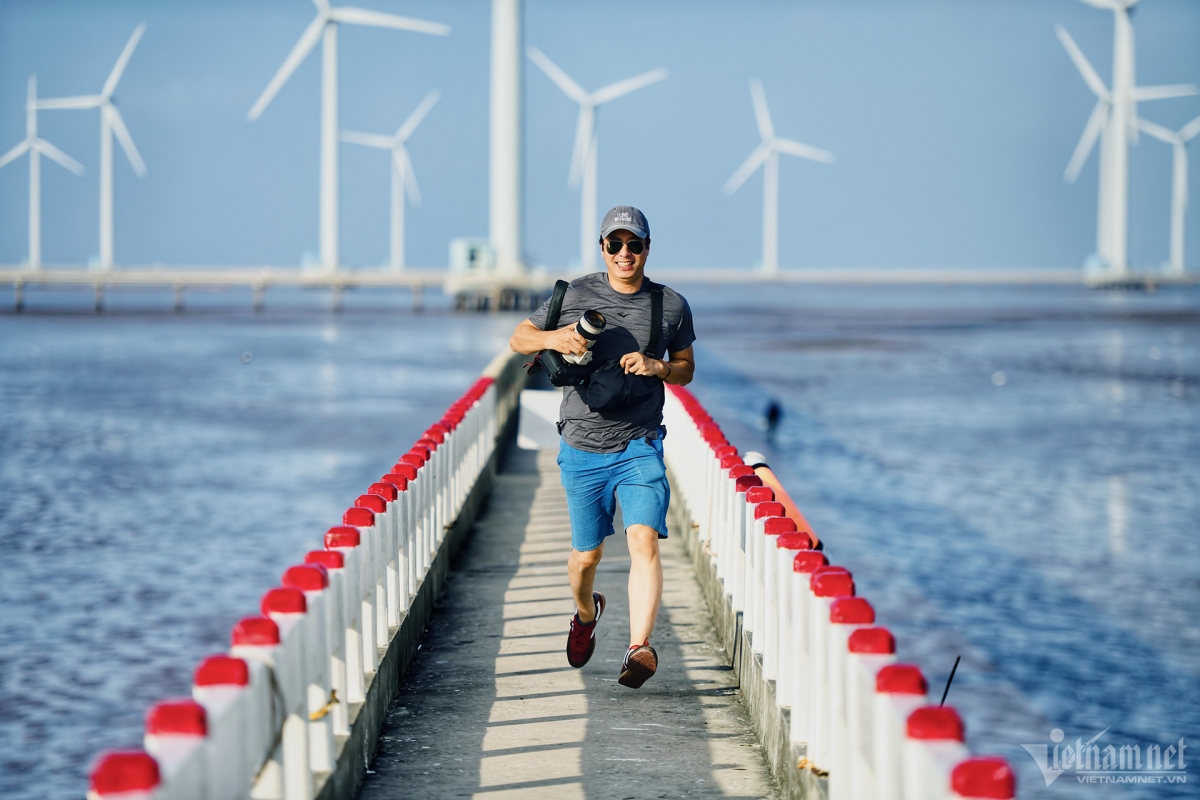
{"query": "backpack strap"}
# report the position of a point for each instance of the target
(656, 312)
(555, 307)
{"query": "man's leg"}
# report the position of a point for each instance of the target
(582, 570)
(645, 582)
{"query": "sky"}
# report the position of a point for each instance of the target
(952, 122)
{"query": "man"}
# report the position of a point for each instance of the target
(619, 452)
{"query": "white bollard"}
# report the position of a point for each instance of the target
(371, 526)
(827, 585)
(847, 615)
(932, 748)
(721, 527)
(983, 777)
(370, 586)
(360, 658)
(403, 477)
(124, 775)
(334, 563)
(313, 580)
(394, 580)
(751, 577)
(787, 546)
(899, 690)
(802, 692)
(288, 609)
(239, 723)
(733, 525)
(868, 651)
(175, 737)
(420, 486)
(766, 638)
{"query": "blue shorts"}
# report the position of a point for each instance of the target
(636, 476)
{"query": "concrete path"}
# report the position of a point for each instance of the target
(491, 709)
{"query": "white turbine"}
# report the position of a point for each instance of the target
(1114, 121)
(584, 157)
(1179, 184)
(111, 125)
(36, 147)
(766, 155)
(402, 171)
(324, 29)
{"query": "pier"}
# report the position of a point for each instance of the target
(418, 648)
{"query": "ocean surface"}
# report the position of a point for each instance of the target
(1012, 475)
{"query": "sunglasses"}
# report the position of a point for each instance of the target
(613, 246)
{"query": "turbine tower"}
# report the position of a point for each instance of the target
(766, 155)
(402, 172)
(583, 159)
(111, 124)
(36, 147)
(324, 29)
(505, 198)
(1179, 183)
(1114, 121)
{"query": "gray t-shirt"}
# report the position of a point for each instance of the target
(627, 331)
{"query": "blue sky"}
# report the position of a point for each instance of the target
(952, 122)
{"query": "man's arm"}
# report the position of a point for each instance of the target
(529, 339)
(679, 368)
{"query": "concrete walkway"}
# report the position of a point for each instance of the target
(491, 709)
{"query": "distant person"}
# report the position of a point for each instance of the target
(609, 451)
(771, 418)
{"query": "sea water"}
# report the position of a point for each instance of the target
(1012, 475)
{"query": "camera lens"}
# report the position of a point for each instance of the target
(594, 320)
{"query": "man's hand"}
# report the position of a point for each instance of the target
(642, 364)
(566, 340)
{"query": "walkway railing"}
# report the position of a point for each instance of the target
(272, 717)
(854, 716)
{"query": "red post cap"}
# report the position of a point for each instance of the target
(385, 490)
(342, 536)
(256, 631)
(374, 502)
(329, 559)
(807, 561)
(409, 471)
(731, 460)
(421, 450)
(776, 526)
(744, 482)
(760, 494)
(832, 582)
(936, 722)
(282, 600)
(359, 517)
(429, 444)
(767, 509)
(872, 640)
(984, 777)
(177, 717)
(306, 578)
(221, 671)
(416, 459)
(726, 450)
(397, 482)
(795, 540)
(122, 771)
(900, 679)
(743, 471)
(851, 611)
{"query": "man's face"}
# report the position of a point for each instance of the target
(625, 266)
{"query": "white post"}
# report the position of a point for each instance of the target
(398, 178)
(770, 263)
(106, 191)
(1179, 201)
(329, 149)
(588, 235)
(35, 209)
(504, 212)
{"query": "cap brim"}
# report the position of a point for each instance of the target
(631, 228)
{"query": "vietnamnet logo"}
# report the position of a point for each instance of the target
(1092, 763)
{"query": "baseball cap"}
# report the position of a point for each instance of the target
(625, 218)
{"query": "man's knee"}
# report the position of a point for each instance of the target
(586, 560)
(642, 540)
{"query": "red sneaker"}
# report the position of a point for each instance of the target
(641, 662)
(581, 641)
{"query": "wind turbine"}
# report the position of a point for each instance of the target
(111, 125)
(583, 159)
(402, 171)
(36, 147)
(1114, 122)
(766, 155)
(1179, 184)
(325, 29)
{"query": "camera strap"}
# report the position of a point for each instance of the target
(553, 311)
(656, 311)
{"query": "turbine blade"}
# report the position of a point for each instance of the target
(1109, 5)
(1144, 93)
(762, 114)
(572, 89)
(584, 131)
(615, 90)
(404, 164)
(1091, 132)
(418, 114)
(118, 69)
(746, 169)
(1158, 131)
(52, 152)
(308, 40)
(15, 153)
(378, 19)
(368, 139)
(1190, 131)
(322, 6)
(1081, 63)
(804, 151)
(118, 127)
(86, 101)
